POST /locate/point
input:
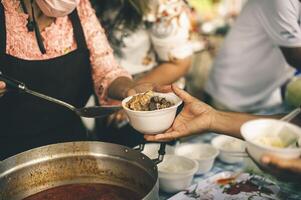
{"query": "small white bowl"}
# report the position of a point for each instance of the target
(176, 173)
(253, 129)
(151, 150)
(204, 154)
(231, 149)
(156, 121)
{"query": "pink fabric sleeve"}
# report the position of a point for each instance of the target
(104, 67)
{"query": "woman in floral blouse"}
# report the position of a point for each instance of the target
(56, 47)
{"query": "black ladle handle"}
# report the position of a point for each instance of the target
(11, 83)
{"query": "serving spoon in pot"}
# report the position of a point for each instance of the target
(88, 112)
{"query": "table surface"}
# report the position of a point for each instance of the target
(288, 191)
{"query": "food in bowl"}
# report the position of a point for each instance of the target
(176, 173)
(204, 154)
(232, 150)
(278, 140)
(254, 129)
(147, 102)
(268, 141)
(153, 121)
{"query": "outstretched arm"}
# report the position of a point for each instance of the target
(198, 117)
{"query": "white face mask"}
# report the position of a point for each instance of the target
(57, 8)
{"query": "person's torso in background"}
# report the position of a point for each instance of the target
(249, 67)
(136, 51)
(158, 39)
(230, 7)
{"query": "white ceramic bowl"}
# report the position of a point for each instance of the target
(152, 122)
(204, 154)
(151, 150)
(176, 173)
(253, 129)
(231, 149)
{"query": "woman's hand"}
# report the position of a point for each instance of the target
(195, 117)
(2, 88)
(123, 87)
(140, 88)
(117, 118)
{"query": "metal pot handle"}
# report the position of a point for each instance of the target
(140, 147)
(161, 152)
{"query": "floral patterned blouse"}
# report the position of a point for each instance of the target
(59, 40)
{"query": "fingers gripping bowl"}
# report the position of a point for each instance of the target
(150, 121)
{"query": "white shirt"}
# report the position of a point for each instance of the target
(228, 7)
(250, 66)
(166, 39)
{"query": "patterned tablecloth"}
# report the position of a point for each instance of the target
(288, 191)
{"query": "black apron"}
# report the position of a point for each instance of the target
(26, 121)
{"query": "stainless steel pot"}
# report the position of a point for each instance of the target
(78, 162)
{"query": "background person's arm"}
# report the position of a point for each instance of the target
(229, 123)
(280, 20)
(167, 72)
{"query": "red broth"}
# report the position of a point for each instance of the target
(86, 192)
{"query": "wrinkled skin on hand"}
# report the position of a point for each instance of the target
(116, 118)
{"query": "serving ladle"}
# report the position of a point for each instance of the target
(88, 112)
